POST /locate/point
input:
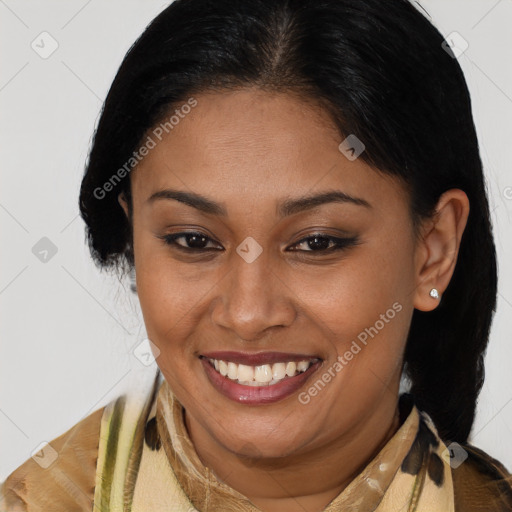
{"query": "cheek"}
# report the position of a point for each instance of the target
(364, 306)
(361, 287)
(169, 303)
(169, 298)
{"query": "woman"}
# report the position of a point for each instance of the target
(297, 185)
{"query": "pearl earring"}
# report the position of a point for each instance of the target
(434, 293)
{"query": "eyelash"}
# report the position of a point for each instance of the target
(339, 243)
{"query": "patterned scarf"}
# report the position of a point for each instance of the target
(146, 461)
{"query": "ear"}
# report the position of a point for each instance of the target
(438, 249)
(123, 202)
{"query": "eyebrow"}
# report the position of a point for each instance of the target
(284, 209)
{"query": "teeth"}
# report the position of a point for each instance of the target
(262, 375)
(233, 371)
(290, 369)
(223, 368)
(278, 371)
(302, 366)
(245, 373)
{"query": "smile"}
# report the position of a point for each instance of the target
(262, 375)
(255, 379)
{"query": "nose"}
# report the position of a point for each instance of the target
(252, 298)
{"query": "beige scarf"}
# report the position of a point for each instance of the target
(146, 461)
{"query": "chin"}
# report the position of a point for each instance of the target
(261, 446)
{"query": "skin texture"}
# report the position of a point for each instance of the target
(249, 150)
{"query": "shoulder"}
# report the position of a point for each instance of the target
(481, 483)
(62, 476)
(62, 473)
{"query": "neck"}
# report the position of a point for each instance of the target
(309, 480)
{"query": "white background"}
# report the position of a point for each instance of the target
(68, 331)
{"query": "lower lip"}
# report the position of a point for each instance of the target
(256, 395)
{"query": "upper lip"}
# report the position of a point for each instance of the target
(258, 358)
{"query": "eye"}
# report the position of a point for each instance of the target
(190, 241)
(194, 241)
(323, 243)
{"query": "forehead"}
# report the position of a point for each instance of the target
(250, 144)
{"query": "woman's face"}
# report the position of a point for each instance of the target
(256, 287)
